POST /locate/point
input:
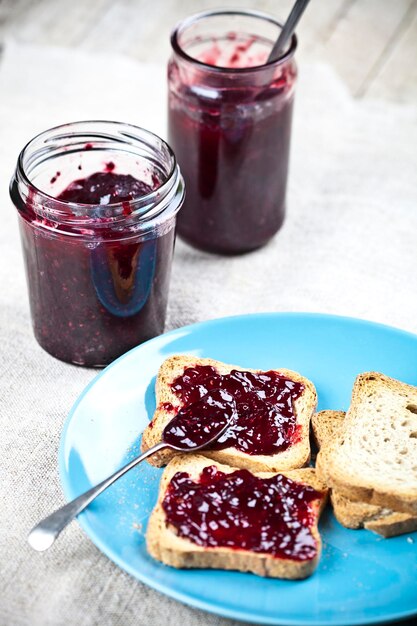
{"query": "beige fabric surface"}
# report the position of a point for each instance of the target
(347, 247)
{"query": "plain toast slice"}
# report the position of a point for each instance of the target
(374, 457)
(168, 404)
(164, 543)
(352, 514)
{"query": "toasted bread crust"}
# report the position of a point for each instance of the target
(165, 545)
(297, 455)
(326, 425)
(373, 457)
(392, 524)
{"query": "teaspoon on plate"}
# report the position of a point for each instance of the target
(193, 428)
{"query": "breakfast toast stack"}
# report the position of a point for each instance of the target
(236, 506)
(368, 456)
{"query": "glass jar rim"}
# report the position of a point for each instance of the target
(141, 206)
(183, 24)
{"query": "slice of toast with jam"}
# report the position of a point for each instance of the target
(274, 408)
(210, 515)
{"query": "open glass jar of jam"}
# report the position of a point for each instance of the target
(229, 123)
(97, 205)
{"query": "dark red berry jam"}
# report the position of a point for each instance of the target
(265, 420)
(273, 515)
(104, 188)
(167, 406)
(203, 420)
(231, 135)
(96, 295)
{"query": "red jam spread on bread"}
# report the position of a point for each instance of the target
(166, 406)
(265, 421)
(244, 512)
(198, 423)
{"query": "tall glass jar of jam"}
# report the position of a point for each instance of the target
(97, 205)
(229, 121)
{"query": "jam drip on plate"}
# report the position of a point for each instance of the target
(265, 421)
(243, 512)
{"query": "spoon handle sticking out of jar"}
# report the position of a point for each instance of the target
(222, 408)
(287, 30)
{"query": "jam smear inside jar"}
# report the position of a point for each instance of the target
(97, 222)
(104, 188)
(229, 122)
(264, 421)
(241, 511)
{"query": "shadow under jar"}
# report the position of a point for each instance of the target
(97, 205)
(229, 123)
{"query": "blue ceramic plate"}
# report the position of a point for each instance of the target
(361, 578)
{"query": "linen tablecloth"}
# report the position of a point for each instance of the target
(348, 247)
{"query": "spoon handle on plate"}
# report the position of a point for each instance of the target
(43, 535)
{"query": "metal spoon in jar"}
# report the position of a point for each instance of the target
(287, 30)
(193, 428)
